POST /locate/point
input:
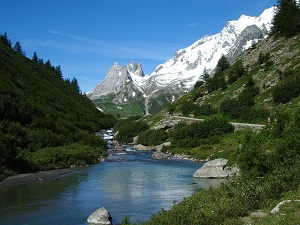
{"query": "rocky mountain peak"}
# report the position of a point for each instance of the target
(179, 74)
(135, 68)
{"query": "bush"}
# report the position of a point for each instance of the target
(204, 110)
(287, 90)
(199, 133)
(63, 157)
(152, 137)
(187, 108)
(129, 130)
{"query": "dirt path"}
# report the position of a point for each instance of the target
(237, 126)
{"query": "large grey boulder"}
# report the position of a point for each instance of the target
(215, 169)
(160, 155)
(100, 217)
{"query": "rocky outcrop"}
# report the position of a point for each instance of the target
(160, 147)
(215, 169)
(160, 155)
(100, 217)
(143, 147)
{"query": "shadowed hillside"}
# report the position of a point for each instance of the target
(45, 122)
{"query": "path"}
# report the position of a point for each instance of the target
(237, 126)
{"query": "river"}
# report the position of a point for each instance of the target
(132, 185)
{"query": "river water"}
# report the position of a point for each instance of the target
(132, 185)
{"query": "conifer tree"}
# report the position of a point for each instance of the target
(222, 64)
(35, 58)
(74, 83)
(17, 47)
(286, 21)
(4, 40)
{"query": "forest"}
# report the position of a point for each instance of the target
(45, 120)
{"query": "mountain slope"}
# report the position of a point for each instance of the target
(179, 74)
(41, 111)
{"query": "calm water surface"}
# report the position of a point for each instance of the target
(131, 185)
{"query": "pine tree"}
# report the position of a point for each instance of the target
(205, 75)
(58, 71)
(222, 64)
(286, 21)
(74, 83)
(4, 40)
(18, 48)
(35, 58)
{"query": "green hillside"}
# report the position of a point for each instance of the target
(262, 83)
(45, 122)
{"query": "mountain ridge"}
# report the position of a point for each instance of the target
(179, 73)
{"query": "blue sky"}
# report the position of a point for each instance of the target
(85, 37)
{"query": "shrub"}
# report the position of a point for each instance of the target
(63, 157)
(205, 110)
(129, 130)
(152, 137)
(187, 108)
(287, 90)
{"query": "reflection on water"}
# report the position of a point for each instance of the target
(131, 185)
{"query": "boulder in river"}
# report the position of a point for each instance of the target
(215, 169)
(100, 217)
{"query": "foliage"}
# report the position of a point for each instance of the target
(39, 110)
(288, 89)
(286, 21)
(187, 108)
(242, 107)
(269, 165)
(200, 133)
(64, 156)
(128, 129)
(217, 80)
(152, 137)
(236, 71)
(205, 110)
(199, 83)
(222, 64)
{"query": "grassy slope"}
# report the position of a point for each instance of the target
(284, 55)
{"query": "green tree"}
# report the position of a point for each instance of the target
(17, 47)
(222, 65)
(205, 75)
(35, 58)
(286, 21)
(4, 40)
(74, 84)
(237, 70)
(58, 72)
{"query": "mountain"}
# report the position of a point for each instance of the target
(151, 93)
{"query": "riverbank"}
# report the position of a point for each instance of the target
(39, 176)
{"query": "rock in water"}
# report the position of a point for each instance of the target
(100, 217)
(215, 169)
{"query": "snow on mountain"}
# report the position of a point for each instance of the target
(179, 74)
(189, 63)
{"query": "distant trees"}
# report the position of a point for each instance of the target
(17, 47)
(286, 21)
(4, 40)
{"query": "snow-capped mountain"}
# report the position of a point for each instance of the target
(179, 74)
